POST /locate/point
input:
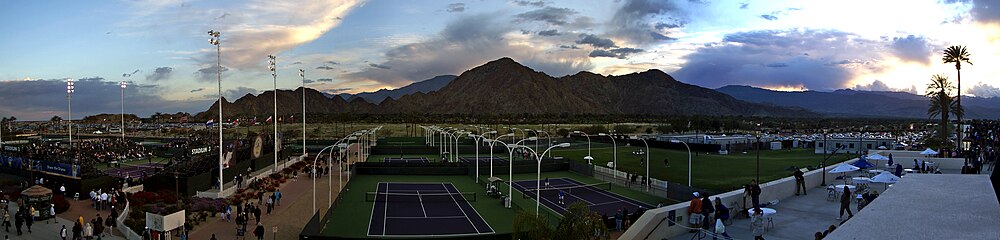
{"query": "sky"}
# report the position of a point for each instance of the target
(160, 47)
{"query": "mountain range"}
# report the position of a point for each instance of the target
(852, 103)
(505, 87)
(425, 86)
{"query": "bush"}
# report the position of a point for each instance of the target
(61, 203)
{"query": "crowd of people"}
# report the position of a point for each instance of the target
(983, 150)
(99, 150)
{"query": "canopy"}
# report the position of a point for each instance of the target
(878, 157)
(843, 168)
(861, 163)
(929, 151)
(885, 177)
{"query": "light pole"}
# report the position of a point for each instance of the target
(758, 153)
(647, 162)
(302, 73)
(538, 178)
(214, 40)
(314, 176)
(588, 157)
(510, 161)
(689, 158)
(825, 145)
(69, 103)
(547, 137)
(615, 150)
(491, 142)
(476, 139)
(274, 75)
(123, 84)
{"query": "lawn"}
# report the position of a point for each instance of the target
(709, 170)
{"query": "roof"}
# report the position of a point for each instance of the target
(929, 206)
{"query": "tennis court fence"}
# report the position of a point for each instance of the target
(420, 197)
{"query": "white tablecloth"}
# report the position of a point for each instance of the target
(840, 188)
(767, 212)
(860, 180)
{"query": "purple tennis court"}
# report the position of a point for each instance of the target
(405, 160)
(134, 170)
(482, 160)
(596, 196)
(423, 210)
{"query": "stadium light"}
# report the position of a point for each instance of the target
(302, 73)
(69, 103)
(123, 84)
(615, 152)
(689, 158)
(538, 178)
(274, 75)
(214, 40)
(588, 157)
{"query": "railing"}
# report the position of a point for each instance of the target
(262, 173)
(120, 222)
(133, 189)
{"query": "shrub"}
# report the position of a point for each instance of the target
(61, 204)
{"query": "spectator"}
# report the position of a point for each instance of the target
(755, 193)
(757, 223)
(62, 233)
(845, 203)
(618, 220)
(707, 211)
(259, 231)
(695, 211)
(800, 182)
(721, 211)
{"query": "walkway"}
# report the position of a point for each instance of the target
(50, 231)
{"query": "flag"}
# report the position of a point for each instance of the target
(253, 121)
(210, 122)
(280, 119)
(268, 119)
(236, 122)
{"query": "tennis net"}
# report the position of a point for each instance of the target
(435, 196)
(553, 192)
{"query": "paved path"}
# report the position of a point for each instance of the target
(293, 214)
(46, 231)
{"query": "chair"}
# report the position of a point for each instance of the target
(831, 193)
(76, 196)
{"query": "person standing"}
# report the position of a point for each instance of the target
(755, 193)
(757, 223)
(6, 220)
(62, 190)
(695, 211)
(19, 220)
(707, 209)
(800, 182)
(845, 204)
(29, 218)
(277, 196)
(52, 212)
(259, 231)
(720, 230)
(618, 220)
(62, 232)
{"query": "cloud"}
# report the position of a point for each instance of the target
(745, 5)
(224, 15)
(526, 3)
(662, 26)
(331, 62)
(569, 47)
(160, 73)
(769, 17)
(549, 33)
(324, 67)
(550, 15)
(308, 81)
(814, 59)
(337, 90)
(130, 74)
(233, 94)
(197, 90)
(42, 99)
(455, 7)
(983, 90)
(379, 66)
(596, 41)
(324, 80)
(297, 63)
(632, 20)
(209, 73)
(620, 53)
(880, 86)
(466, 42)
(986, 11)
(913, 49)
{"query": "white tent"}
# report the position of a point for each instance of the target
(843, 168)
(886, 178)
(877, 157)
(929, 151)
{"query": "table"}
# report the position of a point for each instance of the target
(861, 180)
(908, 170)
(874, 171)
(840, 188)
(766, 213)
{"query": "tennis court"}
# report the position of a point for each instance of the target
(423, 210)
(128, 170)
(405, 160)
(597, 196)
(483, 159)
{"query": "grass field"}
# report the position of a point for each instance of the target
(711, 171)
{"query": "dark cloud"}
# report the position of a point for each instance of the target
(197, 90)
(332, 62)
(379, 66)
(324, 80)
(569, 46)
(985, 10)
(297, 63)
(549, 33)
(551, 15)
(743, 58)
(236, 93)
(160, 73)
(209, 73)
(308, 81)
(324, 67)
(42, 99)
(337, 90)
(464, 43)
(983, 90)
(632, 20)
(596, 41)
(526, 3)
(455, 7)
(662, 26)
(621, 53)
(130, 74)
(769, 17)
(661, 37)
(224, 15)
(776, 65)
(913, 49)
(745, 5)
(880, 86)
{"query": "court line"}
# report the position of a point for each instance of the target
(460, 208)
(633, 202)
(421, 203)
(372, 216)
(384, 216)
(546, 200)
(444, 217)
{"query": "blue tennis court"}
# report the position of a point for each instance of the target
(484, 159)
(597, 196)
(423, 210)
(405, 160)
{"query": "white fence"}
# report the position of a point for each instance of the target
(657, 187)
(120, 223)
(262, 173)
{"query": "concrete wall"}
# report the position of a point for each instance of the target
(905, 158)
(782, 188)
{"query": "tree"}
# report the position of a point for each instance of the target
(624, 129)
(957, 55)
(528, 225)
(562, 132)
(579, 223)
(942, 103)
(55, 119)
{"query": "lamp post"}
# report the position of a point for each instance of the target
(538, 178)
(615, 150)
(302, 73)
(69, 103)
(647, 162)
(689, 158)
(274, 75)
(123, 84)
(510, 161)
(547, 137)
(491, 142)
(214, 40)
(314, 176)
(476, 139)
(758, 153)
(588, 157)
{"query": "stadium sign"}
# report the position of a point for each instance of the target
(197, 151)
(11, 148)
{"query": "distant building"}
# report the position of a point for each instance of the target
(728, 143)
(853, 145)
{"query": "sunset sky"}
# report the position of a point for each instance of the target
(161, 47)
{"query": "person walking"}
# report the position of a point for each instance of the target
(62, 232)
(52, 212)
(277, 197)
(757, 223)
(18, 221)
(694, 210)
(259, 231)
(720, 230)
(800, 182)
(29, 219)
(6, 220)
(845, 204)
(755, 193)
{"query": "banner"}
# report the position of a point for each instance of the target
(199, 151)
(37, 165)
(162, 223)
(11, 148)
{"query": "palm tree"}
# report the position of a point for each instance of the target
(957, 55)
(942, 103)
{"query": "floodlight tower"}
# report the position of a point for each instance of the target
(69, 103)
(274, 118)
(302, 73)
(214, 40)
(123, 84)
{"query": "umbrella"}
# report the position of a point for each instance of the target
(878, 157)
(862, 163)
(929, 151)
(844, 168)
(886, 178)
